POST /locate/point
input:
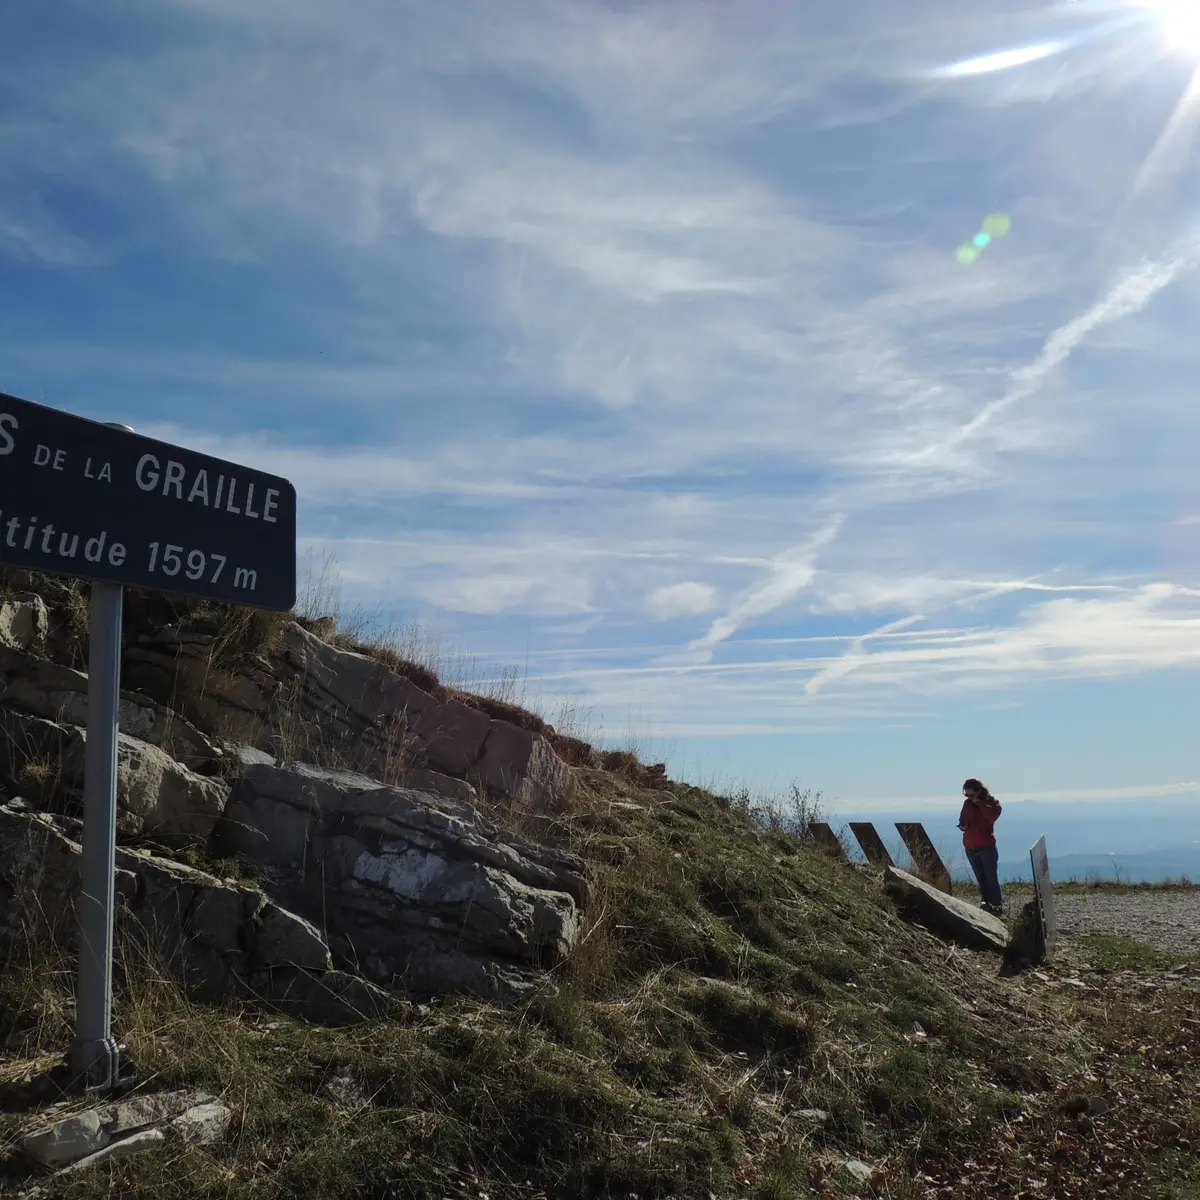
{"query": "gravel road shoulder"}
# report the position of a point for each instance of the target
(1169, 921)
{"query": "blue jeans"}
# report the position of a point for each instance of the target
(983, 863)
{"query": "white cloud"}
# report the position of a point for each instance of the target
(620, 326)
(681, 600)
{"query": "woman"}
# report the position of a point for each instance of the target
(980, 811)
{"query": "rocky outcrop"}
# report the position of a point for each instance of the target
(219, 938)
(24, 623)
(410, 888)
(47, 689)
(155, 794)
(313, 698)
(418, 890)
(944, 914)
(83, 1139)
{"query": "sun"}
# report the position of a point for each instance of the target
(1180, 23)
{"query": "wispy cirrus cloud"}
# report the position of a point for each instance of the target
(643, 324)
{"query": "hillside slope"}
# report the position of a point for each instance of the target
(740, 1016)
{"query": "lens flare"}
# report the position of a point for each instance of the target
(995, 226)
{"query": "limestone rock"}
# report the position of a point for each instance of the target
(283, 939)
(418, 889)
(859, 1171)
(59, 693)
(345, 1088)
(66, 1140)
(135, 1143)
(218, 938)
(24, 623)
(521, 764)
(203, 1124)
(239, 756)
(82, 1138)
(154, 793)
(811, 1116)
(136, 1112)
(434, 783)
(356, 709)
(180, 667)
(946, 915)
(452, 736)
(164, 796)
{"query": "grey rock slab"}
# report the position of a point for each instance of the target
(169, 799)
(946, 915)
(56, 692)
(76, 1137)
(24, 623)
(434, 783)
(811, 1116)
(220, 939)
(66, 1140)
(380, 721)
(155, 793)
(522, 764)
(860, 1171)
(359, 683)
(286, 940)
(204, 1124)
(239, 756)
(135, 1143)
(452, 735)
(346, 1090)
(401, 878)
(435, 970)
(136, 1112)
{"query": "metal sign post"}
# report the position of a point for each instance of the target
(95, 1058)
(102, 503)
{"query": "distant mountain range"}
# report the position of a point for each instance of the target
(1142, 840)
(1148, 866)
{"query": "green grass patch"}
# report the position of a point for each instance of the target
(1113, 952)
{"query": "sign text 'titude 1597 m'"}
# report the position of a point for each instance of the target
(81, 498)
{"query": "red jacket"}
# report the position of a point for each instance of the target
(976, 821)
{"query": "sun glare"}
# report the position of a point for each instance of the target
(1181, 23)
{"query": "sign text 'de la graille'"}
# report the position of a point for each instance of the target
(81, 498)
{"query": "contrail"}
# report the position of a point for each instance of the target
(1127, 297)
(791, 572)
(855, 655)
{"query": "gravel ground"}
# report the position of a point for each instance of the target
(1169, 921)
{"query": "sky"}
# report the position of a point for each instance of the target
(629, 347)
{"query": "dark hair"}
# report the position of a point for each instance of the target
(973, 785)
